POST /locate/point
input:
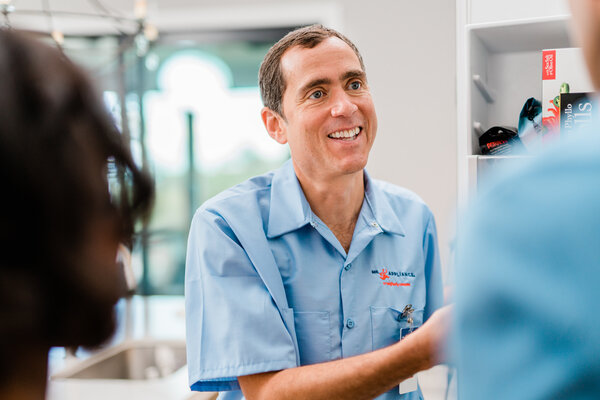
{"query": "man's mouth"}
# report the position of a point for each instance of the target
(348, 134)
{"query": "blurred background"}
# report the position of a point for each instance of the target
(180, 78)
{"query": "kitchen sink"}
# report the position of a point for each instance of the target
(147, 369)
(145, 362)
(131, 360)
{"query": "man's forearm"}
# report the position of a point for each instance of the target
(361, 377)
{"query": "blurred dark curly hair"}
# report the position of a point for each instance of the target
(58, 146)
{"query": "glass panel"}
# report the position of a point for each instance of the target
(199, 133)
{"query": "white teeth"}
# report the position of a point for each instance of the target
(345, 134)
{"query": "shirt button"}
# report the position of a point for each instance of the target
(350, 323)
(374, 225)
(313, 224)
(347, 267)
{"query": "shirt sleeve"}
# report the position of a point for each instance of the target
(233, 327)
(433, 270)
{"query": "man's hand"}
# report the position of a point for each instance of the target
(434, 334)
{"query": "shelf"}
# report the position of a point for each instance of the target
(483, 168)
(505, 67)
(499, 66)
(480, 158)
(524, 35)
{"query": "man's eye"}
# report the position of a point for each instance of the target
(317, 94)
(355, 85)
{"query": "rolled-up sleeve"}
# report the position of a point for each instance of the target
(233, 326)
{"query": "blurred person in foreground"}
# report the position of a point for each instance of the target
(300, 283)
(528, 280)
(59, 225)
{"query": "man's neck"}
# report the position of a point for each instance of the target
(337, 202)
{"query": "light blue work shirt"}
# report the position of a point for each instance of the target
(528, 281)
(269, 287)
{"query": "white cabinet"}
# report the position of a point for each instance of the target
(499, 66)
(482, 11)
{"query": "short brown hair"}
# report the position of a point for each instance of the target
(270, 75)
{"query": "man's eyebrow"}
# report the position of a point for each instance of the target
(357, 73)
(315, 82)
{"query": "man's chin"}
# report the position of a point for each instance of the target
(353, 166)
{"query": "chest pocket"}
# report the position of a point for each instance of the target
(314, 336)
(387, 325)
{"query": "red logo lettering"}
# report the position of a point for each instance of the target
(549, 65)
(383, 274)
(491, 145)
(395, 284)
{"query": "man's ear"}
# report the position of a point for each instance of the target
(275, 125)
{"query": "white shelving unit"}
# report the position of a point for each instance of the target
(499, 67)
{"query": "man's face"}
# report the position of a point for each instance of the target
(586, 27)
(330, 122)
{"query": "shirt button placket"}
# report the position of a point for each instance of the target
(347, 278)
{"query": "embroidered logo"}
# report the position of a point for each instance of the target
(383, 274)
(386, 276)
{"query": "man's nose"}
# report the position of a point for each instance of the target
(343, 105)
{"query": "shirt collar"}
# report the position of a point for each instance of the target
(289, 209)
(381, 208)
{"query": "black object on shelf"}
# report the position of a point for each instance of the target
(500, 140)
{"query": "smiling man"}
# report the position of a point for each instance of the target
(306, 282)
